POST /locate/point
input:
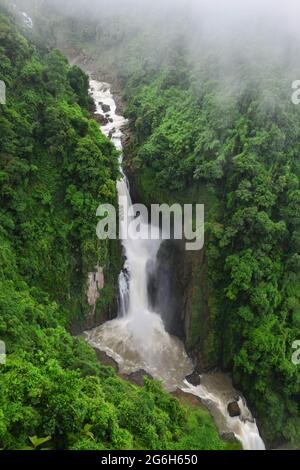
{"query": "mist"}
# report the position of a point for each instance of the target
(215, 18)
(260, 36)
(224, 19)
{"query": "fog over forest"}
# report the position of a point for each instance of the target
(163, 102)
(255, 33)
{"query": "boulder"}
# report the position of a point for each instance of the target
(111, 133)
(184, 398)
(234, 409)
(194, 379)
(105, 108)
(229, 437)
(104, 359)
(101, 119)
(137, 377)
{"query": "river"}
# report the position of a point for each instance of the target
(137, 338)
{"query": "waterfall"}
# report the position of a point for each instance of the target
(137, 338)
(27, 20)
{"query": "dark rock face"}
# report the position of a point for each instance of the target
(234, 409)
(179, 286)
(194, 379)
(106, 360)
(101, 119)
(229, 437)
(105, 108)
(165, 287)
(137, 377)
(184, 397)
(111, 133)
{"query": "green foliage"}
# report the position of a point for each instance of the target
(232, 131)
(55, 169)
(247, 149)
(37, 442)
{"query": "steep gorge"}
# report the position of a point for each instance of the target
(56, 167)
(137, 338)
(238, 146)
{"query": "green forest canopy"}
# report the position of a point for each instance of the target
(55, 168)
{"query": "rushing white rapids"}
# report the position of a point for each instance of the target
(137, 339)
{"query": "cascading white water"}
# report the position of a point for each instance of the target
(27, 20)
(137, 338)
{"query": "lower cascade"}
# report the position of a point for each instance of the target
(137, 338)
